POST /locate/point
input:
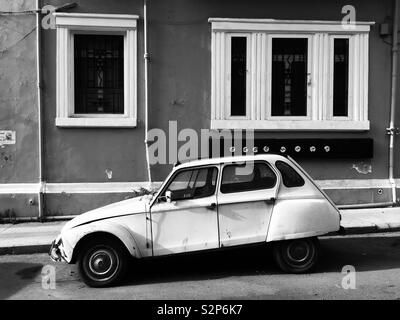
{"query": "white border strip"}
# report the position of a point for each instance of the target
(272, 25)
(126, 187)
(100, 187)
(355, 184)
(17, 188)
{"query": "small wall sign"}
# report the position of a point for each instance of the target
(7, 137)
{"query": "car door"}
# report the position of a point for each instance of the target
(246, 198)
(189, 222)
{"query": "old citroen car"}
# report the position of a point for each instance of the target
(207, 204)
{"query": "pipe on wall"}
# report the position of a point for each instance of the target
(39, 110)
(392, 129)
(146, 92)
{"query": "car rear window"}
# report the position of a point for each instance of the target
(259, 176)
(290, 177)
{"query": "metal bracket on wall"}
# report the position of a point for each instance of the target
(392, 131)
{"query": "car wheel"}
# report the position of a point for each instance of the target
(102, 262)
(296, 256)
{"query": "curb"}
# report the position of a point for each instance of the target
(31, 249)
(368, 230)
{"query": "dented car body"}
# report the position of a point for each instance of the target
(205, 204)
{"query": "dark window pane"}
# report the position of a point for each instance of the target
(238, 76)
(99, 73)
(289, 76)
(289, 176)
(260, 176)
(193, 184)
(340, 77)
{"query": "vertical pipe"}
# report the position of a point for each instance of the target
(392, 129)
(39, 110)
(146, 92)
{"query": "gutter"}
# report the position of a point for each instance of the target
(39, 104)
(146, 92)
(42, 183)
(392, 130)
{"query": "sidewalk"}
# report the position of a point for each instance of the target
(35, 237)
(29, 237)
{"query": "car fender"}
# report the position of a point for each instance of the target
(72, 237)
(302, 218)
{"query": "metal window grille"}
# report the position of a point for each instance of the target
(99, 74)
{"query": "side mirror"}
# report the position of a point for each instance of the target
(168, 196)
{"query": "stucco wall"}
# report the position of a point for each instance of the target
(180, 75)
(181, 70)
(18, 106)
(84, 155)
(179, 80)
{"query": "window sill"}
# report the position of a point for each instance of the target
(96, 122)
(290, 125)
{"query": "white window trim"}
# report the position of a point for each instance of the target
(320, 102)
(68, 24)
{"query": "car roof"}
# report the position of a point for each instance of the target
(208, 161)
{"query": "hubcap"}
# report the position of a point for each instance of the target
(103, 263)
(298, 252)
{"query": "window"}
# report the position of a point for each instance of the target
(289, 176)
(99, 74)
(289, 75)
(260, 176)
(239, 76)
(193, 184)
(96, 70)
(340, 77)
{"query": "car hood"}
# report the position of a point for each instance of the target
(124, 207)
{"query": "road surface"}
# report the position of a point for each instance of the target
(235, 274)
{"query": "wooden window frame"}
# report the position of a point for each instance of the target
(69, 24)
(321, 35)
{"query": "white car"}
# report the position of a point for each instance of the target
(205, 204)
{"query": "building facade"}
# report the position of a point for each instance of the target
(292, 71)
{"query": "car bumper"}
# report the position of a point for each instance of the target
(56, 252)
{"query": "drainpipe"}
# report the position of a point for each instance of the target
(39, 104)
(392, 130)
(146, 92)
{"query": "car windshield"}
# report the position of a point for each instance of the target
(193, 183)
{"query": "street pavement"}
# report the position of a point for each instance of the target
(234, 274)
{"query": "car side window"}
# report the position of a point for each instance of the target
(259, 176)
(193, 183)
(290, 177)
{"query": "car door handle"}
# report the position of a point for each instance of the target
(270, 200)
(212, 206)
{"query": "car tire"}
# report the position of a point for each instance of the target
(102, 263)
(297, 255)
